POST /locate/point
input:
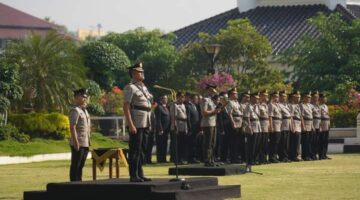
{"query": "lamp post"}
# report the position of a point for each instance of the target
(212, 50)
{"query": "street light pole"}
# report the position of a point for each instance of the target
(212, 51)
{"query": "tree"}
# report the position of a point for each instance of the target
(107, 63)
(50, 68)
(329, 62)
(153, 48)
(134, 42)
(9, 87)
(244, 54)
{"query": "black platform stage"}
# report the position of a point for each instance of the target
(205, 188)
(200, 170)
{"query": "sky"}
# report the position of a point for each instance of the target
(123, 15)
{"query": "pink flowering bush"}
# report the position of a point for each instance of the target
(223, 81)
(112, 101)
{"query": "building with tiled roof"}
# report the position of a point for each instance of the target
(15, 24)
(283, 22)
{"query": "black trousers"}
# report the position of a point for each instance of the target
(274, 139)
(235, 138)
(264, 147)
(323, 144)
(284, 145)
(294, 146)
(315, 143)
(137, 145)
(161, 146)
(225, 147)
(78, 159)
(182, 146)
(209, 142)
(220, 143)
(257, 146)
(193, 152)
(149, 147)
(250, 140)
(305, 145)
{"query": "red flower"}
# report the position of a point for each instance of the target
(116, 90)
(103, 100)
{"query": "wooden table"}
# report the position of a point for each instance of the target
(107, 154)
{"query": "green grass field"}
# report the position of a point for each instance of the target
(338, 178)
(42, 146)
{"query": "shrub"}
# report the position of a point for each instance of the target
(9, 132)
(41, 125)
(342, 116)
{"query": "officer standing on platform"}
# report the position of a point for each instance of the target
(80, 134)
(251, 112)
(275, 127)
(307, 128)
(162, 116)
(296, 127)
(265, 125)
(235, 115)
(208, 124)
(324, 127)
(316, 120)
(137, 107)
(286, 128)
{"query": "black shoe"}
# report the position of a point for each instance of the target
(194, 161)
(136, 180)
(145, 179)
(328, 158)
(209, 164)
(296, 160)
(274, 160)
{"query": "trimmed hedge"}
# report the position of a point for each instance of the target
(42, 125)
(10, 132)
(342, 116)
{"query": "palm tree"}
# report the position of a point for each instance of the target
(50, 68)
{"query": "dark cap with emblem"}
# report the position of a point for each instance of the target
(255, 95)
(264, 92)
(81, 92)
(307, 94)
(136, 67)
(275, 94)
(322, 95)
(283, 93)
(315, 93)
(246, 94)
(211, 87)
(180, 93)
(232, 91)
(296, 94)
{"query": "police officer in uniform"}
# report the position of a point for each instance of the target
(316, 120)
(286, 127)
(137, 107)
(275, 127)
(324, 127)
(208, 124)
(294, 146)
(251, 112)
(179, 127)
(235, 114)
(265, 125)
(307, 127)
(245, 100)
(80, 134)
